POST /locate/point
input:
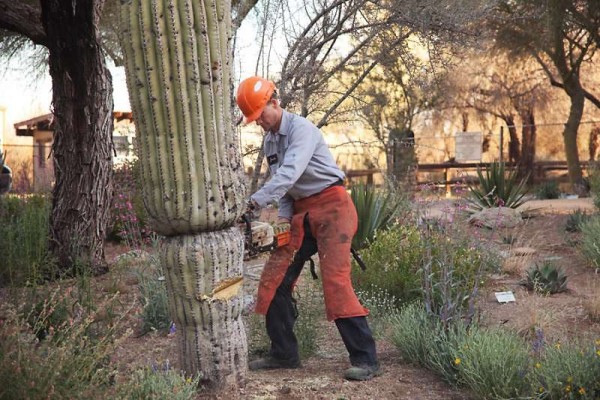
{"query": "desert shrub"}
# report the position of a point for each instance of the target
(546, 278)
(421, 339)
(592, 307)
(442, 268)
(159, 383)
(24, 223)
(452, 268)
(567, 371)
(382, 309)
(575, 220)
(594, 183)
(155, 313)
(497, 188)
(68, 362)
(590, 241)
(392, 262)
(548, 190)
(413, 332)
(493, 363)
(375, 209)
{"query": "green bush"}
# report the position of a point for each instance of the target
(497, 188)
(594, 182)
(375, 209)
(68, 361)
(548, 190)
(392, 262)
(493, 363)
(24, 227)
(421, 339)
(413, 332)
(568, 371)
(439, 267)
(590, 240)
(496, 363)
(153, 289)
(575, 220)
(159, 383)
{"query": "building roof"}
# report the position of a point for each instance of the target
(46, 123)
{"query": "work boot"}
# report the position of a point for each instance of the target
(362, 372)
(269, 362)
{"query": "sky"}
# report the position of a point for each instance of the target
(22, 97)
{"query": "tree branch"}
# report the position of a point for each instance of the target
(240, 8)
(23, 19)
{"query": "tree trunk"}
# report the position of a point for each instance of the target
(178, 64)
(82, 148)
(570, 136)
(514, 152)
(528, 135)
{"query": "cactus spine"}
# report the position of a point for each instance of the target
(177, 60)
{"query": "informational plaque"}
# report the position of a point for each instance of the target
(468, 146)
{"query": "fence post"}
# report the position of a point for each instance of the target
(501, 142)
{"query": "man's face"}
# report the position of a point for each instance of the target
(269, 117)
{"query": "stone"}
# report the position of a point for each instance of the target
(497, 217)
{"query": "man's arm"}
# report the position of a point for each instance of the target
(286, 209)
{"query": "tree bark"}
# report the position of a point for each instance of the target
(82, 148)
(570, 137)
(514, 145)
(528, 135)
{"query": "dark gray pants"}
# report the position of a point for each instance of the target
(282, 315)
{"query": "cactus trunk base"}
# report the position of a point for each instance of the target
(204, 278)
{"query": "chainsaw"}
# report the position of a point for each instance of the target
(262, 237)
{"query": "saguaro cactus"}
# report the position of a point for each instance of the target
(178, 68)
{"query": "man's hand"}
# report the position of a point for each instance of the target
(283, 220)
(251, 206)
(282, 225)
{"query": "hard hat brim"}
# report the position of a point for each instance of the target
(254, 116)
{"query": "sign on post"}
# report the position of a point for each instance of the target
(468, 146)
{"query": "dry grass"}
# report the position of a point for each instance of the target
(591, 304)
(536, 312)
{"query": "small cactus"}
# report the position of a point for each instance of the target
(546, 278)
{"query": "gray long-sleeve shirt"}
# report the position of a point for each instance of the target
(300, 164)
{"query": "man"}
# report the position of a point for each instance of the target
(308, 185)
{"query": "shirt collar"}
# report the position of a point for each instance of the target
(283, 127)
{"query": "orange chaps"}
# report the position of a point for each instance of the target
(333, 222)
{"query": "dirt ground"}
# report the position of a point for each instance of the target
(561, 316)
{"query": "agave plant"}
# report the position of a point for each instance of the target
(497, 188)
(546, 278)
(575, 220)
(375, 211)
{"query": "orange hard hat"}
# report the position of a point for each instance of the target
(253, 94)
